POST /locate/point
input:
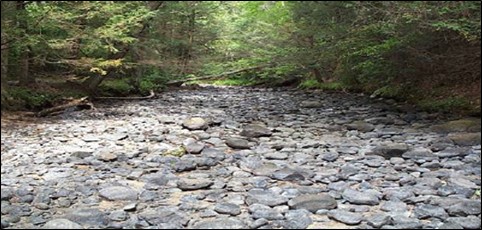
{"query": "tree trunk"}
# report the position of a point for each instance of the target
(23, 74)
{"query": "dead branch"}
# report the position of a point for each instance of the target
(151, 95)
(78, 104)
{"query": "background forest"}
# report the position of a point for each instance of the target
(424, 53)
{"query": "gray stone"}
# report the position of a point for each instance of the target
(262, 211)
(420, 154)
(329, 156)
(276, 156)
(208, 213)
(194, 184)
(254, 130)
(297, 219)
(185, 165)
(6, 224)
(451, 152)
(469, 222)
(423, 211)
(403, 222)
(378, 220)
(7, 193)
(92, 217)
(194, 148)
(258, 223)
(390, 150)
(237, 143)
(228, 208)
(311, 104)
(288, 174)
(118, 215)
(393, 206)
(374, 161)
(265, 197)
(313, 202)
(220, 223)
(195, 123)
(106, 156)
(464, 208)
(165, 215)
(450, 225)
(361, 126)
(346, 217)
(118, 193)
(356, 197)
(61, 224)
(462, 182)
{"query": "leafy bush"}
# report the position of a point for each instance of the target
(314, 84)
(30, 99)
(445, 105)
(115, 87)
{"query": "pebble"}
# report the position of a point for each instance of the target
(298, 159)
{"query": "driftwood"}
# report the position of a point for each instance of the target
(151, 95)
(77, 104)
(216, 76)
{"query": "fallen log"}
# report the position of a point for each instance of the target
(151, 95)
(211, 77)
(77, 104)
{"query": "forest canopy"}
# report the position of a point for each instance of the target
(401, 50)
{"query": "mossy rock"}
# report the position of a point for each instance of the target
(462, 125)
(465, 139)
(177, 152)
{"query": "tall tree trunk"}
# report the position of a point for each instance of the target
(23, 74)
(187, 54)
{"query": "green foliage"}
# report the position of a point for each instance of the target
(314, 84)
(32, 100)
(377, 47)
(117, 87)
(309, 84)
(446, 104)
(146, 85)
(234, 82)
(389, 91)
